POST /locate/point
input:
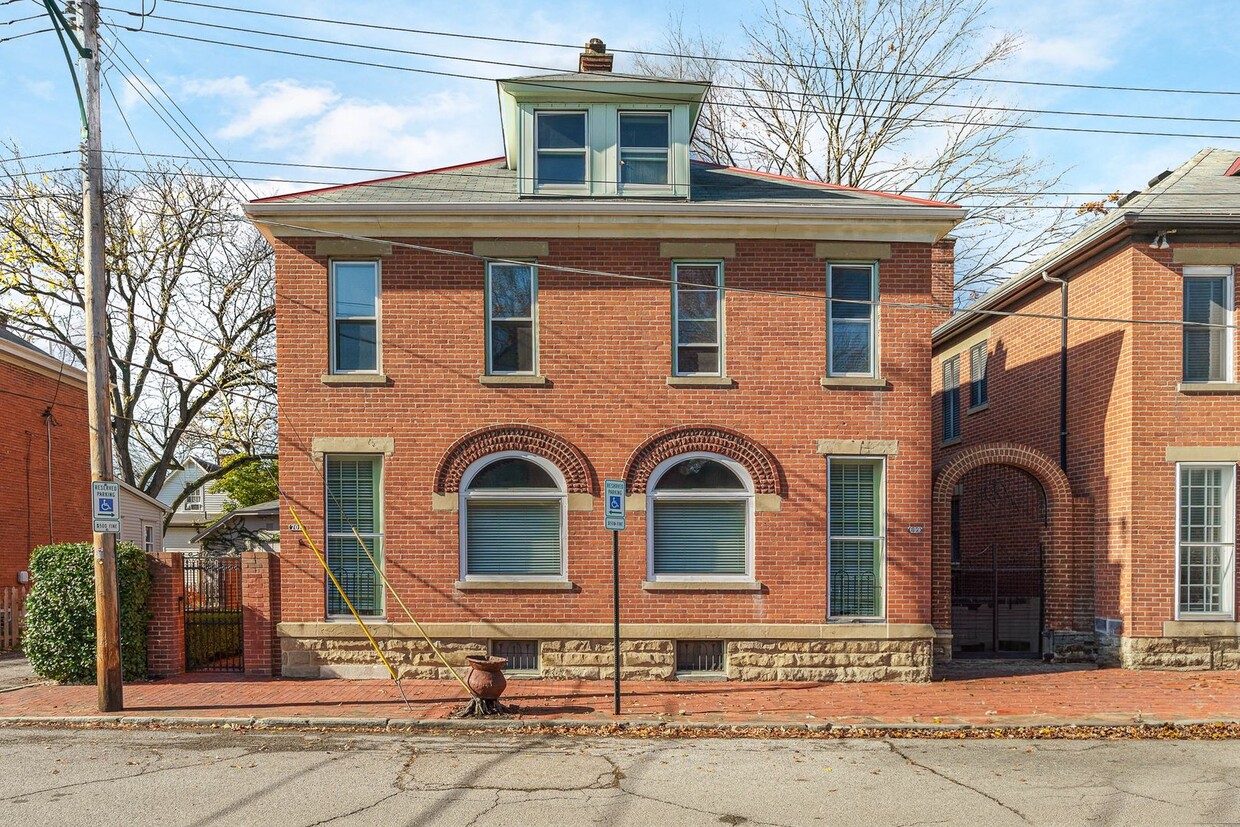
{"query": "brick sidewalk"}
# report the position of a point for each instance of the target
(968, 696)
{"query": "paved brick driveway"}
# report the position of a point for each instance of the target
(1027, 696)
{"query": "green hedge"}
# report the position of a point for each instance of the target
(60, 611)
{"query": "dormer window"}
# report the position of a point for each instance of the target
(560, 150)
(644, 142)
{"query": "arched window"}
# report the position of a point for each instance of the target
(700, 525)
(513, 516)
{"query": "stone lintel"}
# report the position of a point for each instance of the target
(1203, 453)
(691, 249)
(512, 249)
(852, 250)
(445, 502)
(580, 502)
(859, 447)
(321, 445)
(344, 247)
(1205, 255)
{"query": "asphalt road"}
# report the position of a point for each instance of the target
(137, 777)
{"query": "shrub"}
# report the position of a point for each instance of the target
(60, 611)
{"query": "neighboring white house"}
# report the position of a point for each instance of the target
(142, 519)
(197, 511)
(253, 528)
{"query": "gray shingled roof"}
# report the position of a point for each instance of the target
(492, 182)
(1198, 188)
(9, 336)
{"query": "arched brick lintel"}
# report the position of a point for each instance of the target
(1067, 555)
(767, 476)
(578, 473)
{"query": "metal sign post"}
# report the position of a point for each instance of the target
(613, 519)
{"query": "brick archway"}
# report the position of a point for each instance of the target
(578, 473)
(1067, 566)
(760, 463)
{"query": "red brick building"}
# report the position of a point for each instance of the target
(1092, 508)
(464, 356)
(44, 454)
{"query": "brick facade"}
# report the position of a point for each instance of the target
(39, 504)
(607, 411)
(1125, 410)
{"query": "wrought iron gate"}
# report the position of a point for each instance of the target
(997, 604)
(213, 626)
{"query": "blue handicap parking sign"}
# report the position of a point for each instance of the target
(613, 502)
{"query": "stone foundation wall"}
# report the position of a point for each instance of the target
(1180, 653)
(840, 660)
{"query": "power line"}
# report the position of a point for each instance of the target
(728, 87)
(23, 34)
(733, 60)
(549, 85)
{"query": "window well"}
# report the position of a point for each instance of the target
(522, 655)
(699, 657)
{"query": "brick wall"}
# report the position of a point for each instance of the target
(605, 348)
(27, 518)
(165, 636)
(260, 601)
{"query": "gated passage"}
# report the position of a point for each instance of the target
(213, 641)
(997, 603)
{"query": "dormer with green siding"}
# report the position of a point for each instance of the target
(594, 133)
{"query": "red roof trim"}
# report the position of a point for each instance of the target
(374, 181)
(1234, 169)
(825, 185)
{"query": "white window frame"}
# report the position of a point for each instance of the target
(720, 336)
(194, 500)
(148, 537)
(698, 496)
(380, 534)
(882, 537)
(542, 494)
(586, 151)
(334, 368)
(667, 150)
(1229, 522)
(1213, 271)
(874, 319)
(533, 319)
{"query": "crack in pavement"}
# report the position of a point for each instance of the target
(897, 751)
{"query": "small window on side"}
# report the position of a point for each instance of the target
(644, 142)
(697, 304)
(148, 538)
(1207, 340)
(951, 399)
(979, 386)
(852, 331)
(512, 299)
(354, 316)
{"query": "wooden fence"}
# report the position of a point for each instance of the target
(12, 616)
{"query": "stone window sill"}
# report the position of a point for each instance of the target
(354, 379)
(701, 381)
(515, 585)
(514, 380)
(947, 443)
(1208, 387)
(862, 383)
(701, 586)
(978, 408)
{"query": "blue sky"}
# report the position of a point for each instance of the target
(289, 108)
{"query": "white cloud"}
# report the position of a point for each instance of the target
(267, 109)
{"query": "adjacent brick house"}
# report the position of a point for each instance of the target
(465, 354)
(44, 454)
(1119, 536)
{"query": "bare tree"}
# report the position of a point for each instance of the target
(190, 309)
(853, 92)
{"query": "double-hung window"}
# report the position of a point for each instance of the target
(856, 537)
(1206, 539)
(193, 500)
(697, 305)
(644, 142)
(560, 152)
(852, 329)
(512, 308)
(951, 398)
(354, 316)
(979, 387)
(513, 517)
(701, 520)
(354, 532)
(1208, 298)
(148, 538)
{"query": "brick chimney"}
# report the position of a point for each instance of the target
(595, 58)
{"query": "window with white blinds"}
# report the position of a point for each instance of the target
(979, 385)
(1206, 540)
(856, 532)
(951, 398)
(852, 320)
(700, 510)
(1207, 312)
(354, 512)
(513, 514)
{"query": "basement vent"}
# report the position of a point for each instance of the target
(522, 655)
(699, 657)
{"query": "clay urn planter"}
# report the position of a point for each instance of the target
(487, 682)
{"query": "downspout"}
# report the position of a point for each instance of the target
(1063, 368)
(48, 422)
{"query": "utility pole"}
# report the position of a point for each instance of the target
(107, 623)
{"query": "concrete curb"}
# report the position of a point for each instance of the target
(590, 727)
